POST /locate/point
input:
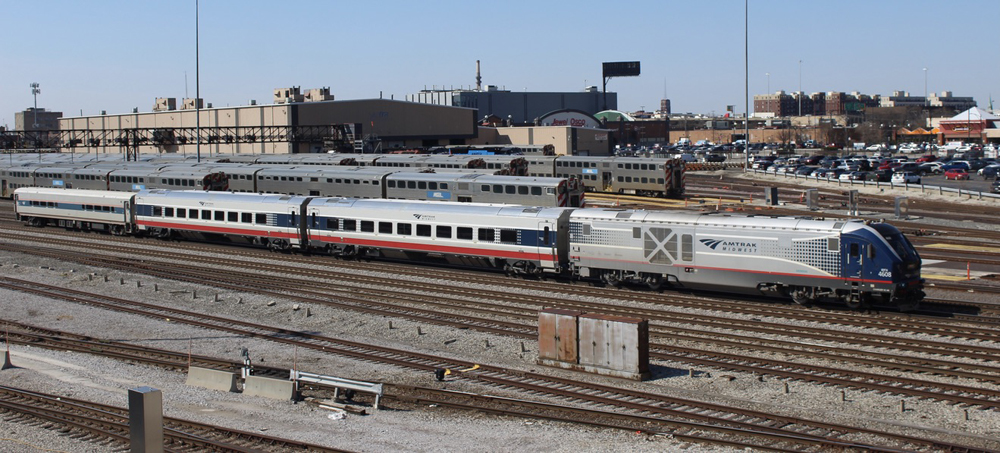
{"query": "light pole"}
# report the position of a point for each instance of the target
(35, 92)
(927, 101)
(197, 87)
(800, 87)
(768, 74)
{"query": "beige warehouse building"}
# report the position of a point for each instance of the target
(293, 124)
(297, 123)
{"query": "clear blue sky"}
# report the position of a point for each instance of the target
(115, 55)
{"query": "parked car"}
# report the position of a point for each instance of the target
(927, 158)
(905, 177)
(955, 165)
(715, 158)
(989, 171)
(928, 168)
(880, 176)
(995, 187)
(813, 160)
(956, 174)
(852, 176)
(805, 170)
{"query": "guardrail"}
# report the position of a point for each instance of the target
(941, 190)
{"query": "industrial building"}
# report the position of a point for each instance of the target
(32, 119)
(294, 123)
(517, 107)
(311, 122)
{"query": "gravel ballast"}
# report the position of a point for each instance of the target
(427, 429)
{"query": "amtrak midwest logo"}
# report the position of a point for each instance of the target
(730, 246)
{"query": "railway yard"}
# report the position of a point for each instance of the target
(89, 316)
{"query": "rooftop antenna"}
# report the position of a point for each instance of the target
(186, 84)
(479, 78)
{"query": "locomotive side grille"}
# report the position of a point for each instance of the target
(660, 246)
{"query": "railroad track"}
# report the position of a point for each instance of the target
(109, 425)
(700, 420)
(348, 283)
(39, 337)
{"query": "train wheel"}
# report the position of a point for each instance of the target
(856, 301)
(36, 222)
(800, 295)
(654, 282)
(610, 279)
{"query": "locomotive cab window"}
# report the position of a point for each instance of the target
(855, 251)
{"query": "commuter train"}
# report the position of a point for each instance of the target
(118, 176)
(339, 181)
(803, 259)
(657, 177)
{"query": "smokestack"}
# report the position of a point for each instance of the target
(479, 78)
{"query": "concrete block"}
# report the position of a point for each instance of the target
(279, 389)
(212, 379)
